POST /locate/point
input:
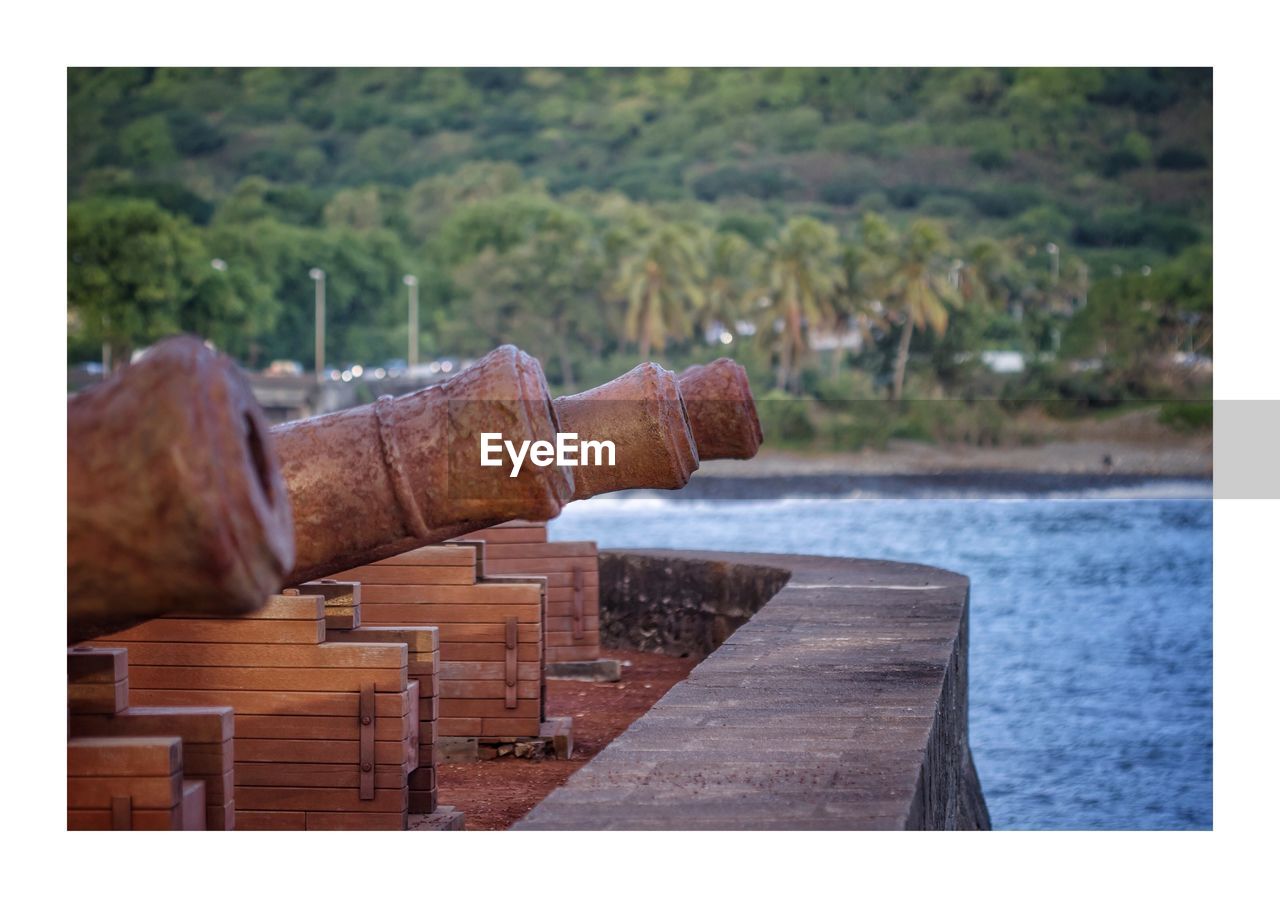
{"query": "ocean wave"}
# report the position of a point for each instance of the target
(649, 500)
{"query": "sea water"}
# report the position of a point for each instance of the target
(1091, 642)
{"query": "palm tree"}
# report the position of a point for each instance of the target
(919, 288)
(731, 259)
(661, 283)
(804, 274)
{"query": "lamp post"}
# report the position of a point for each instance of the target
(412, 283)
(1052, 250)
(317, 275)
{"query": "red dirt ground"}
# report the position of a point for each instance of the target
(495, 794)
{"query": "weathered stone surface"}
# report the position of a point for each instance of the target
(842, 704)
(679, 605)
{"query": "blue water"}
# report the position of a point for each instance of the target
(1091, 628)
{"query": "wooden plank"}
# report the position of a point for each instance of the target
(323, 776)
(318, 751)
(270, 820)
(87, 664)
(541, 567)
(423, 779)
(423, 801)
(419, 639)
(341, 619)
(262, 679)
(222, 817)
(333, 652)
(145, 819)
(562, 638)
(87, 792)
(445, 554)
(336, 593)
(454, 689)
(458, 726)
(328, 820)
(193, 805)
(560, 583)
(124, 756)
(588, 651)
(486, 670)
(509, 728)
(591, 623)
(286, 632)
(286, 798)
(486, 593)
(439, 615)
(217, 789)
(211, 725)
(479, 707)
(464, 632)
(570, 550)
(425, 671)
(421, 575)
(277, 607)
(486, 651)
(262, 726)
(326, 704)
(207, 759)
(505, 535)
(98, 698)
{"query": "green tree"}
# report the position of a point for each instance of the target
(359, 209)
(541, 293)
(731, 261)
(135, 273)
(662, 283)
(802, 276)
(918, 288)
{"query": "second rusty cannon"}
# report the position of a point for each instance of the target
(372, 482)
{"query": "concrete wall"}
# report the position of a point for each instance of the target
(685, 607)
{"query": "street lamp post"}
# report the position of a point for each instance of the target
(317, 275)
(412, 283)
(1052, 250)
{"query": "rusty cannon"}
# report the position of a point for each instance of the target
(175, 499)
(722, 411)
(372, 482)
(642, 411)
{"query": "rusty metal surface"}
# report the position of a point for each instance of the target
(722, 411)
(175, 500)
(371, 482)
(643, 414)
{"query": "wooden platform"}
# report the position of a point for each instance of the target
(491, 680)
(842, 704)
(326, 734)
(573, 583)
(205, 734)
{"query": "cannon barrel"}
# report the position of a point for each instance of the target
(373, 481)
(722, 411)
(643, 414)
(175, 500)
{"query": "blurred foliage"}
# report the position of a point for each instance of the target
(846, 234)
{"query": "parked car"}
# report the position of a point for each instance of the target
(284, 368)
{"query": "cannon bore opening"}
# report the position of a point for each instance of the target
(258, 454)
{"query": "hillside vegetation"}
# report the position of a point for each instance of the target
(595, 217)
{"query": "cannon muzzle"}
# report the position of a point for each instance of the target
(722, 411)
(175, 500)
(371, 482)
(643, 414)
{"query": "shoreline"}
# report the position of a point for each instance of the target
(1186, 457)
